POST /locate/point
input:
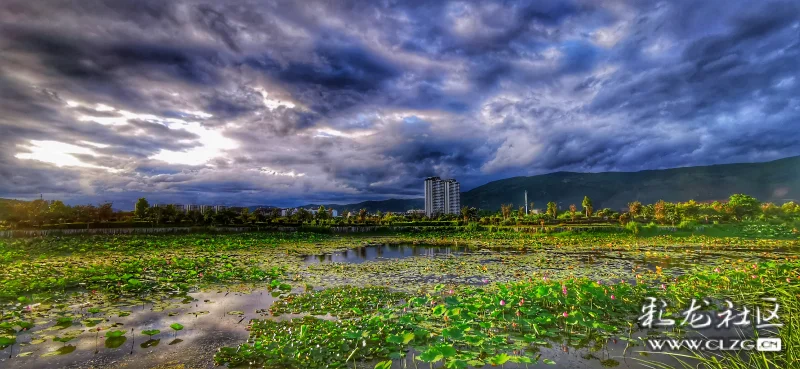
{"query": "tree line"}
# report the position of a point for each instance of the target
(738, 207)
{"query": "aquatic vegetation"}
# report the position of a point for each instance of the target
(344, 301)
(495, 298)
(151, 332)
(176, 327)
(495, 324)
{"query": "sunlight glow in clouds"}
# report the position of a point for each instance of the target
(212, 145)
(59, 154)
(330, 132)
(272, 172)
(273, 104)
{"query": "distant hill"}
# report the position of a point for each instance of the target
(776, 181)
(392, 205)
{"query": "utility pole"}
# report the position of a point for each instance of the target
(526, 202)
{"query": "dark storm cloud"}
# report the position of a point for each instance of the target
(289, 102)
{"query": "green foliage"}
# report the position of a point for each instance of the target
(473, 227)
(6, 341)
(587, 206)
(743, 206)
(470, 325)
(633, 227)
(343, 302)
(114, 334)
(552, 209)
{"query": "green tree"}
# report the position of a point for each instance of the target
(244, 216)
(672, 214)
(587, 206)
(607, 213)
(209, 216)
(790, 209)
(468, 213)
(58, 212)
(274, 213)
(635, 209)
(770, 210)
(660, 211)
(624, 218)
(170, 212)
(140, 210)
(105, 212)
(743, 206)
(322, 214)
(156, 214)
(362, 215)
(572, 210)
(688, 210)
(552, 209)
(195, 216)
(85, 213)
(505, 210)
(303, 215)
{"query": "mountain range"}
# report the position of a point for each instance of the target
(777, 181)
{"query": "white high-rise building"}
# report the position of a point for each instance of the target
(442, 196)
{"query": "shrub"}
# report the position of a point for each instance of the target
(473, 227)
(688, 225)
(633, 227)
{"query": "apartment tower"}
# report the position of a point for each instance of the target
(442, 196)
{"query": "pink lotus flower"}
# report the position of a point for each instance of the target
(522, 301)
(564, 290)
(663, 287)
(564, 314)
(200, 275)
(613, 298)
(451, 292)
(716, 270)
(502, 302)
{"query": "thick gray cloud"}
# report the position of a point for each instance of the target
(285, 102)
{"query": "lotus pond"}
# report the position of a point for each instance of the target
(449, 300)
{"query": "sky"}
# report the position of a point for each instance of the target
(290, 102)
